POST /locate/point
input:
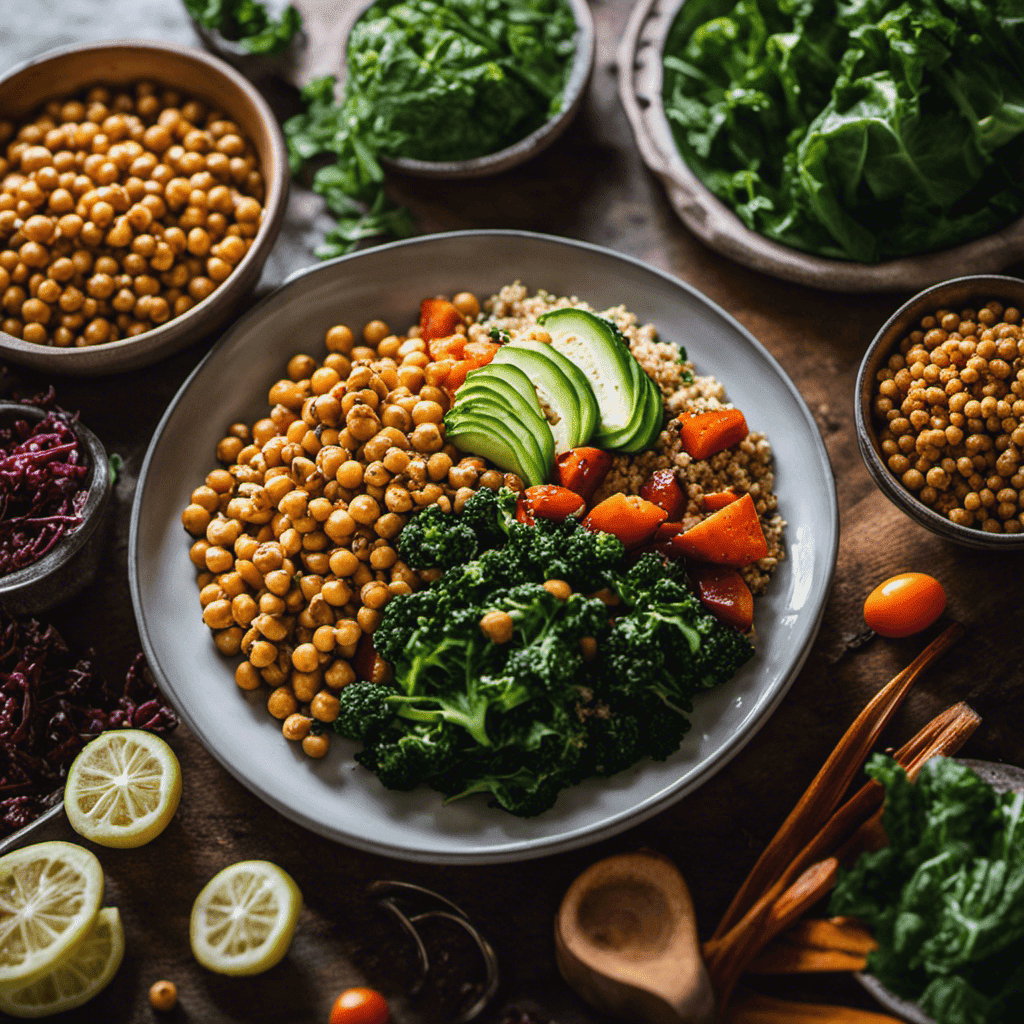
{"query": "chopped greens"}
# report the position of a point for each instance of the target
(945, 899)
(428, 81)
(522, 719)
(856, 129)
(247, 22)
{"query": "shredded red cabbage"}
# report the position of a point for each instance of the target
(51, 705)
(42, 487)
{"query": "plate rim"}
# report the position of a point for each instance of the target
(520, 849)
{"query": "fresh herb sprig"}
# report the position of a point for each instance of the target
(248, 23)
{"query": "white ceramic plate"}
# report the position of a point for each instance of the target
(337, 798)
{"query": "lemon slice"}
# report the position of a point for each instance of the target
(50, 894)
(244, 919)
(123, 788)
(80, 975)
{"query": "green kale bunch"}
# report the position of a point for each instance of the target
(572, 692)
(247, 22)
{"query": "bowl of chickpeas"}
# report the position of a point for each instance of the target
(940, 410)
(142, 186)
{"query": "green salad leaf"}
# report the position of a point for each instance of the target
(856, 129)
(428, 81)
(247, 22)
(945, 899)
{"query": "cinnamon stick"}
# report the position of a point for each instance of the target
(824, 793)
(753, 1008)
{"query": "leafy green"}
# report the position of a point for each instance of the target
(522, 720)
(428, 81)
(945, 899)
(855, 129)
(247, 22)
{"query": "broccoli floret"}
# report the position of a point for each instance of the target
(435, 539)
(586, 560)
(524, 792)
(364, 710)
(416, 754)
(490, 514)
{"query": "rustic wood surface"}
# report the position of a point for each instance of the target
(592, 185)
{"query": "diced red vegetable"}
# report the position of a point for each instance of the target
(583, 470)
(480, 353)
(703, 434)
(714, 502)
(438, 319)
(365, 657)
(548, 501)
(451, 347)
(632, 519)
(725, 594)
(666, 532)
(456, 376)
(731, 536)
(663, 490)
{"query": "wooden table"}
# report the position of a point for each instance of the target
(590, 185)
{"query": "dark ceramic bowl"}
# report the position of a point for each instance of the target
(954, 294)
(71, 564)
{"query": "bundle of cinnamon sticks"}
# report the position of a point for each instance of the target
(800, 865)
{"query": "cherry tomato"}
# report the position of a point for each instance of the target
(905, 604)
(360, 1006)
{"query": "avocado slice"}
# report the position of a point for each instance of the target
(568, 403)
(653, 418)
(599, 351)
(503, 378)
(477, 432)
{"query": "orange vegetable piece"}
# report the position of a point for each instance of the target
(438, 319)
(480, 353)
(631, 518)
(360, 1006)
(667, 531)
(549, 501)
(451, 347)
(730, 536)
(703, 434)
(713, 502)
(725, 594)
(904, 604)
(365, 657)
(583, 470)
(456, 376)
(663, 490)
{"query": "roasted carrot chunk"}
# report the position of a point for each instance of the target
(452, 347)
(480, 353)
(456, 376)
(713, 502)
(548, 501)
(731, 536)
(438, 319)
(663, 490)
(583, 470)
(703, 434)
(632, 519)
(666, 532)
(725, 594)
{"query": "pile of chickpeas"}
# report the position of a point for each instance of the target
(119, 210)
(296, 547)
(950, 407)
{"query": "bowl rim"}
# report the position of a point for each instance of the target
(99, 485)
(883, 343)
(274, 207)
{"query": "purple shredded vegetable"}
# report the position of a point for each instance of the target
(51, 705)
(42, 486)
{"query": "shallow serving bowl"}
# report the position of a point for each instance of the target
(73, 68)
(955, 294)
(71, 564)
(333, 796)
(640, 85)
(322, 52)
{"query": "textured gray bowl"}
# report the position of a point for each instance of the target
(954, 294)
(72, 563)
(70, 69)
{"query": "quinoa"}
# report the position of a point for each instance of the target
(743, 468)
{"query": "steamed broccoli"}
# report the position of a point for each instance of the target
(364, 710)
(435, 539)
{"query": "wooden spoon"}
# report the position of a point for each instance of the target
(626, 941)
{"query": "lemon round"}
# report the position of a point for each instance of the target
(123, 788)
(76, 977)
(244, 919)
(50, 894)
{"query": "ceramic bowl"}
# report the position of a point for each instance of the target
(954, 294)
(67, 71)
(324, 54)
(640, 87)
(71, 564)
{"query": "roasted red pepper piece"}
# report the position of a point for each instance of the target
(703, 434)
(663, 490)
(452, 347)
(725, 594)
(731, 536)
(480, 353)
(632, 519)
(583, 470)
(438, 319)
(548, 501)
(714, 502)
(456, 376)
(365, 658)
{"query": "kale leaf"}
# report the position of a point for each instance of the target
(247, 22)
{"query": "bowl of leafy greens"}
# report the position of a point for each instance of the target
(866, 146)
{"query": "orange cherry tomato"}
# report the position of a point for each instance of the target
(905, 604)
(360, 1006)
